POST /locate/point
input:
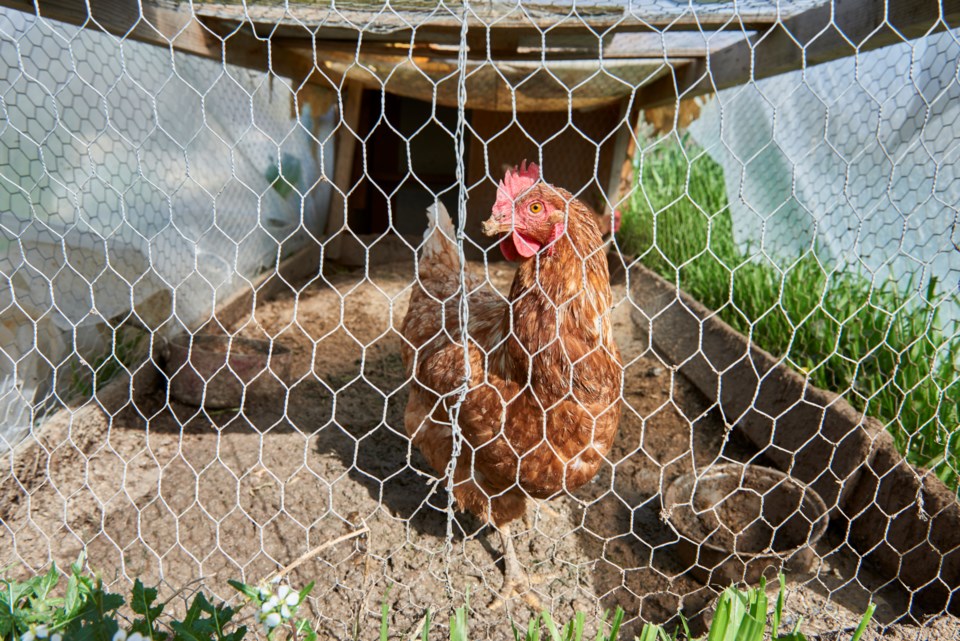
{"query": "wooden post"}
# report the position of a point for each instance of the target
(343, 169)
(624, 148)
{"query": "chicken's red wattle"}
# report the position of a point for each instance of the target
(516, 246)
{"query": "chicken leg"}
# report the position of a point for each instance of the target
(514, 576)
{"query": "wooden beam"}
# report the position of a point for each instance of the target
(343, 169)
(828, 32)
(625, 146)
(400, 23)
(179, 29)
(348, 49)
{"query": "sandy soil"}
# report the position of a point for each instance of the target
(175, 494)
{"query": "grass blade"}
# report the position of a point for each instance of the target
(551, 626)
(617, 620)
(578, 623)
(864, 622)
(721, 618)
(425, 633)
(778, 611)
(458, 623)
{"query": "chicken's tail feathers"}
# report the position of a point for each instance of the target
(440, 239)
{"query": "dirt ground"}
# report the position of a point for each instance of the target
(170, 493)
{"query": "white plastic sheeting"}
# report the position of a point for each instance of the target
(858, 159)
(127, 170)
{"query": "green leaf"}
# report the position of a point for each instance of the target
(11, 592)
(603, 621)
(754, 619)
(305, 630)
(793, 636)
(384, 619)
(864, 622)
(74, 599)
(95, 619)
(533, 629)
(425, 633)
(248, 591)
(579, 621)
(551, 626)
(46, 583)
(778, 611)
(721, 618)
(458, 623)
(617, 620)
(686, 628)
(141, 603)
(305, 592)
(650, 632)
(197, 627)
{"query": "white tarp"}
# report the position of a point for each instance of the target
(125, 170)
(859, 157)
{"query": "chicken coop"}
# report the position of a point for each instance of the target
(239, 339)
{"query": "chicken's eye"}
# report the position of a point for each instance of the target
(536, 207)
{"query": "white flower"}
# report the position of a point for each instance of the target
(273, 620)
(56, 636)
(136, 636)
(285, 611)
(283, 591)
(264, 593)
(120, 635)
(276, 579)
(27, 636)
(293, 599)
(271, 604)
(41, 631)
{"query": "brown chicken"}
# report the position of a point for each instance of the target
(539, 406)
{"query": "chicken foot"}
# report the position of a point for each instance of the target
(514, 576)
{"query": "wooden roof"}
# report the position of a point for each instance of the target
(531, 55)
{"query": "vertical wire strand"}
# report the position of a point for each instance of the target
(463, 307)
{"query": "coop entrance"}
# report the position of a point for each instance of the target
(406, 157)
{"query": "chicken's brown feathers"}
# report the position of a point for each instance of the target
(541, 396)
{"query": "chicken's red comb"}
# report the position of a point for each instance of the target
(515, 182)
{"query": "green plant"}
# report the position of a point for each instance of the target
(86, 378)
(285, 182)
(884, 350)
(32, 610)
(277, 606)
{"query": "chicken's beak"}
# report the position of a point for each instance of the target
(492, 226)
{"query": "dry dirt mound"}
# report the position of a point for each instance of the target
(168, 492)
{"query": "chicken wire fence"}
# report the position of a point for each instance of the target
(159, 205)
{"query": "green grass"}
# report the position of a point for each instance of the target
(85, 378)
(876, 342)
(39, 609)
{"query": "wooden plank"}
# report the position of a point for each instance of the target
(343, 169)
(814, 435)
(903, 522)
(820, 35)
(240, 307)
(355, 49)
(396, 21)
(179, 29)
(624, 147)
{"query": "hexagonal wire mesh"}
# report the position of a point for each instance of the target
(759, 368)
